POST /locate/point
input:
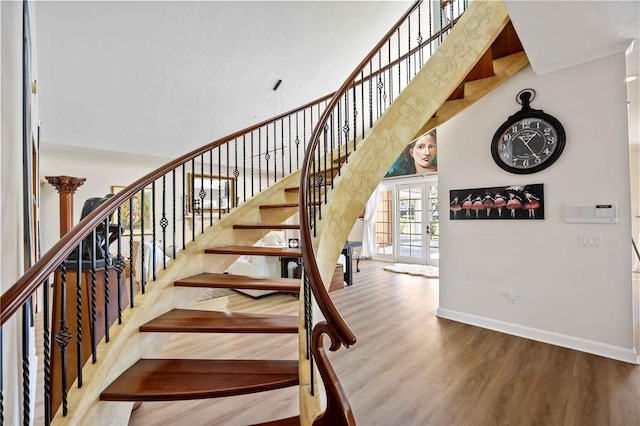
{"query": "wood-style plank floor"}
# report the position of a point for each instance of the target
(411, 368)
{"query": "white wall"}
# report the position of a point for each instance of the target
(101, 169)
(567, 295)
(104, 169)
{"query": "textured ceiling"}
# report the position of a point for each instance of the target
(162, 78)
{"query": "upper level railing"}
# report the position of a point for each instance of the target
(361, 99)
(349, 114)
(168, 207)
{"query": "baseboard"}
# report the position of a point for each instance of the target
(583, 345)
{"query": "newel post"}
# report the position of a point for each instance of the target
(66, 187)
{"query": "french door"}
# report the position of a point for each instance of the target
(407, 228)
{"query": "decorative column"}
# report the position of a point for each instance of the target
(66, 186)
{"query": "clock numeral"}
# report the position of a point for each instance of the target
(515, 161)
(547, 131)
(551, 140)
(514, 129)
(503, 147)
(547, 151)
(506, 155)
(526, 124)
(506, 137)
(525, 163)
(538, 160)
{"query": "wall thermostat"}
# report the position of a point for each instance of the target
(591, 213)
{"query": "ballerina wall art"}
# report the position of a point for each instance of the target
(503, 202)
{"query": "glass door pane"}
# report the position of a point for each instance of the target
(411, 227)
(384, 225)
(433, 237)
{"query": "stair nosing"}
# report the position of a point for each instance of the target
(189, 379)
(181, 321)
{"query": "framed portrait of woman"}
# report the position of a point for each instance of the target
(137, 212)
(418, 158)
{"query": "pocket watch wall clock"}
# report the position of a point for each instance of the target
(530, 140)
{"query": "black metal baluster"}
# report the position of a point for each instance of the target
(132, 266)
(236, 174)
(252, 176)
(260, 161)
(210, 187)
(451, 16)
(370, 79)
(192, 195)
(399, 65)
(391, 97)
(420, 39)
(333, 142)
(93, 314)
(202, 194)
(362, 110)
(408, 48)
(143, 273)
(63, 336)
(325, 169)
(355, 119)
(282, 146)
(441, 36)
(79, 314)
(339, 133)
(163, 221)
(290, 150)
(26, 365)
(244, 168)
(185, 208)
(379, 85)
(275, 151)
(154, 239)
(173, 216)
(119, 268)
(430, 30)
(105, 235)
(297, 144)
(47, 354)
(266, 154)
(345, 128)
(219, 184)
(226, 151)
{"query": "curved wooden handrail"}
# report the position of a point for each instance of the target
(331, 314)
(18, 294)
(338, 411)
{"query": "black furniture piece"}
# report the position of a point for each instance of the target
(347, 251)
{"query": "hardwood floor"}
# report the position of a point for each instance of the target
(411, 368)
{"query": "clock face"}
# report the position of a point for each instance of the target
(528, 144)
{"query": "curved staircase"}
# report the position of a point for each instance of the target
(480, 53)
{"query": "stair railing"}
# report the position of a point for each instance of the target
(200, 186)
(348, 116)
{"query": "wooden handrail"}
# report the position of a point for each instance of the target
(18, 294)
(331, 314)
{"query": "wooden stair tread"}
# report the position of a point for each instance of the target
(212, 280)
(267, 226)
(256, 251)
(187, 379)
(198, 321)
(284, 205)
